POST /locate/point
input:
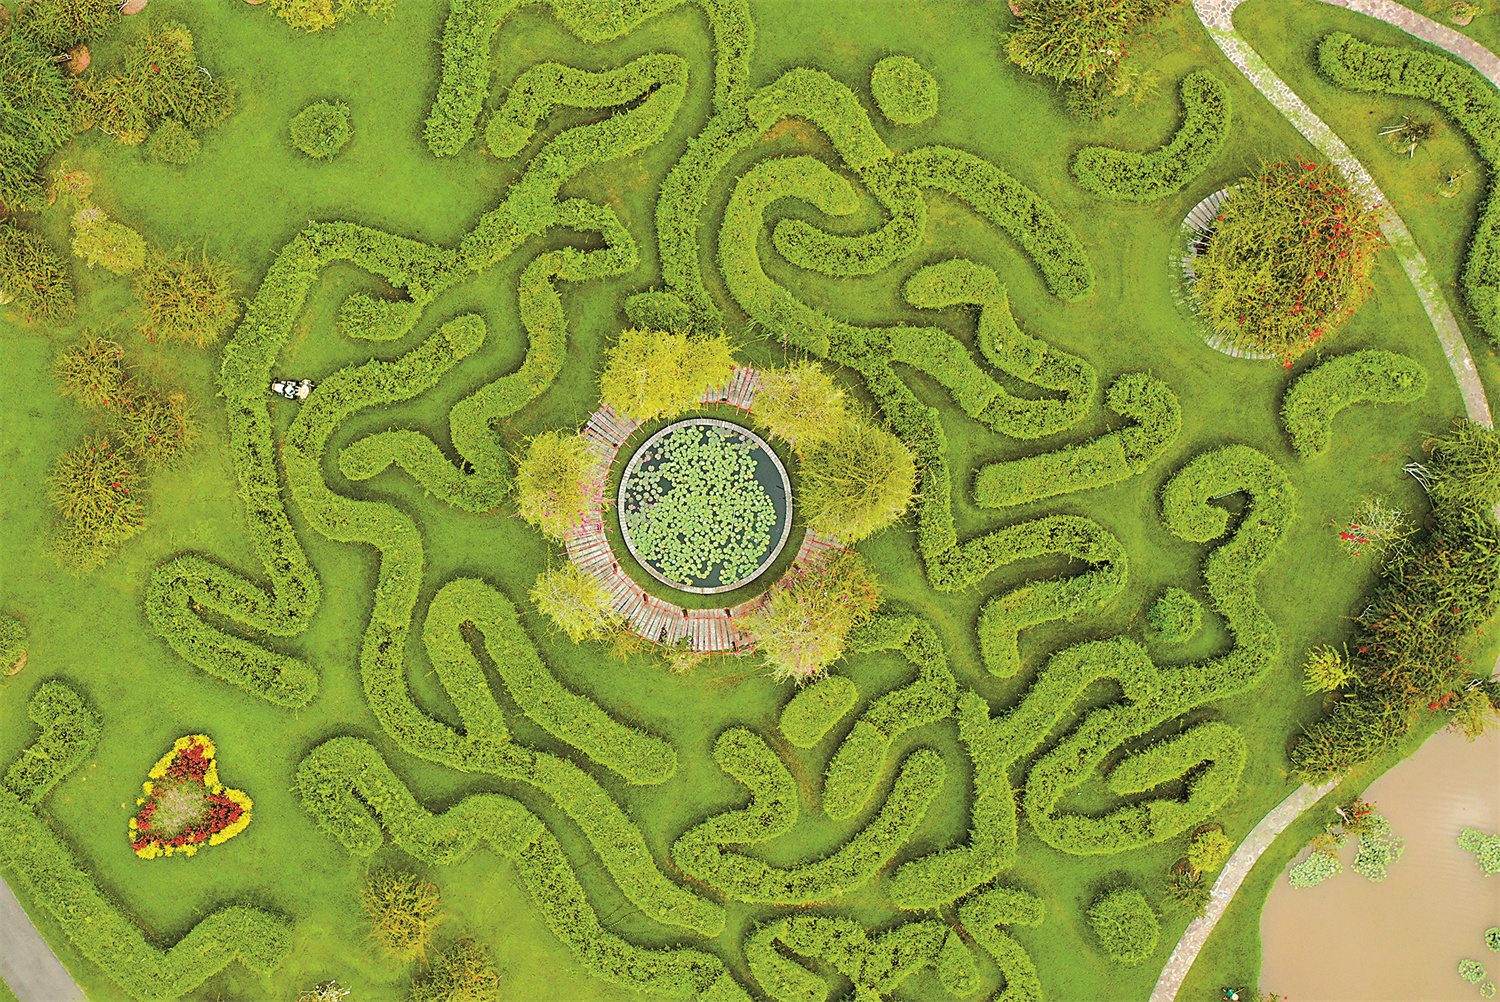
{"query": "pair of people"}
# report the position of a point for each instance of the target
(293, 389)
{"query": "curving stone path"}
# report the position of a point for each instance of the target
(1216, 16)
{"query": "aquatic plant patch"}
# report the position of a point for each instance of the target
(692, 508)
(185, 806)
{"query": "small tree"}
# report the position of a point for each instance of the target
(93, 371)
(158, 81)
(1467, 464)
(462, 972)
(155, 426)
(1289, 259)
(32, 275)
(1376, 525)
(1125, 924)
(101, 240)
(185, 299)
(1325, 671)
(1174, 617)
(558, 481)
(402, 910)
(801, 403)
(857, 483)
(1473, 713)
(801, 628)
(661, 373)
(1071, 40)
(577, 603)
(320, 130)
(95, 491)
(1209, 849)
(1410, 133)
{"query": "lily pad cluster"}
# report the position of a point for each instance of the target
(693, 508)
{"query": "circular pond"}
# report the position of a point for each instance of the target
(705, 505)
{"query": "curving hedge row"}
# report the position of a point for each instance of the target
(1005, 615)
(746, 878)
(535, 93)
(1316, 397)
(816, 708)
(370, 318)
(944, 876)
(854, 771)
(1473, 105)
(960, 281)
(1229, 572)
(1144, 177)
(1108, 459)
(69, 732)
(773, 811)
(31, 851)
(351, 793)
(479, 482)
(851, 256)
(982, 917)
(576, 720)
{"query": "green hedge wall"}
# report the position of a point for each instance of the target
(1108, 459)
(1313, 400)
(351, 793)
(1144, 177)
(1125, 924)
(854, 771)
(1472, 103)
(816, 708)
(746, 878)
(982, 916)
(31, 852)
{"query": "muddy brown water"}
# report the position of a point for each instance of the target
(1351, 940)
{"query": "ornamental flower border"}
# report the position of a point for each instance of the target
(230, 809)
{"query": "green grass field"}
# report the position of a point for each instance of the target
(250, 192)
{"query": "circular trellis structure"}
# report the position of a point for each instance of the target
(644, 614)
(1197, 231)
(768, 467)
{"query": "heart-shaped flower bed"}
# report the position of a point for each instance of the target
(185, 806)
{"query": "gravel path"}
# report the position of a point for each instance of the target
(1234, 873)
(1216, 17)
(28, 965)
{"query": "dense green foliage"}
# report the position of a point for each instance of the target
(100, 240)
(186, 299)
(1318, 394)
(1145, 177)
(1289, 260)
(12, 642)
(1474, 107)
(856, 482)
(904, 91)
(320, 130)
(661, 373)
(32, 274)
(1174, 617)
(552, 482)
(37, 115)
(1125, 924)
(1075, 39)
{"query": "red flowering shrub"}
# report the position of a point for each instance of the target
(1289, 259)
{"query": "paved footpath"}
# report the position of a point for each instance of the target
(1216, 17)
(28, 965)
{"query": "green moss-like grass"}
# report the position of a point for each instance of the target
(249, 191)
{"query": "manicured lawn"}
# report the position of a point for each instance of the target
(250, 192)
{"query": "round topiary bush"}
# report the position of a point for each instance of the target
(906, 93)
(173, 143)
(1125, 924)
(321, 130)
(1175, 617)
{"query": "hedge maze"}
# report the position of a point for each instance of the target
(241, 625)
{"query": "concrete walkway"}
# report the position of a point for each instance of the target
(28, 965)
(1216, 16)
(1234, 873)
